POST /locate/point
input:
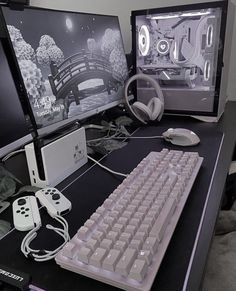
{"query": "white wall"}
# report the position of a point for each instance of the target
(122, 8)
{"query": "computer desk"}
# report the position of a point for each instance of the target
(183, 265)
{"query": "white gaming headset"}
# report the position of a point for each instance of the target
(155, 107)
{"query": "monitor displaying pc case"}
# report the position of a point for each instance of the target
(182, 47)
(73, 64)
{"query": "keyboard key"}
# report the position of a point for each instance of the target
(108, 203)
(103, 227)
(92, 244)
(138, 270)
(163, 220)
(101, 210)
(120, 245)
(69, 250)
(84, 254)
(151, 244)
(118, 227)
(140, 235)
(146, 255)
(130, 229)
(98, 235)
(111, 260)
(126, 237)
(95, 217)
(106, 244)
(109, 220)
(83, 233)
(126, 262)
(136, 244)
(97, 257)
(90, 223)
(113, 235)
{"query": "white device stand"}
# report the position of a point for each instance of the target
(60, 158)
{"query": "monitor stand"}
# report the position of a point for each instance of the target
(207, 118)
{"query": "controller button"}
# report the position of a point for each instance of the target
(23, 212)
(21, 201)
(55, 196)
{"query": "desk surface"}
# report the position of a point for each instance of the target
(183, 264)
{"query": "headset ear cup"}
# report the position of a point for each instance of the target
(142, 111)
(155, 106)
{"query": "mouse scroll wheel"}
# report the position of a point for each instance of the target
(167, 138)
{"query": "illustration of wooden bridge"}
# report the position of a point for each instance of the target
(78, 68)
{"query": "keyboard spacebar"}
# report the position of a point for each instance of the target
(163, 219)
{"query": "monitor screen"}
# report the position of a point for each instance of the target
(73, 64)
(14, 131)
(182, 48)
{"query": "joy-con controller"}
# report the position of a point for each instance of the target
(26, 213)
(54, 201)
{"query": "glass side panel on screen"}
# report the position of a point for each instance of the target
(182, 48)
(14, 131)
(73, 64)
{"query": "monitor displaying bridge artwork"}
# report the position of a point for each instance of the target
(73, 64)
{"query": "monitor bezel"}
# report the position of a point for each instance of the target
(43, 131)
(28, 137)
(220, 59)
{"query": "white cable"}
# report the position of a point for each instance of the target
(12, 154)
(102, 127)
(139, 137)
(106, 137)
(45, 255)
(106, 168)
(125, 137)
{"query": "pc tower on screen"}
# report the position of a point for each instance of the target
(73, 64)
(182, 47)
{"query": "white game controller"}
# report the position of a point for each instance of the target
(26, 213)
(54, 201)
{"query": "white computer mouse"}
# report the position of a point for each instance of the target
(181, 137)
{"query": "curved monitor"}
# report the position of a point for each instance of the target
(73, 64)
(14, 131)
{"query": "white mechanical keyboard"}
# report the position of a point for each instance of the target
(124, 241)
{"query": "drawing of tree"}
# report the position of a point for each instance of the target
(23, 50)
(48, 51)
(110, 40)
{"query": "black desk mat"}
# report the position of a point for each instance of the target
(91, 189)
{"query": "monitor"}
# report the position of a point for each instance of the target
(182, 48)
(14, 130)
(73, 64)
